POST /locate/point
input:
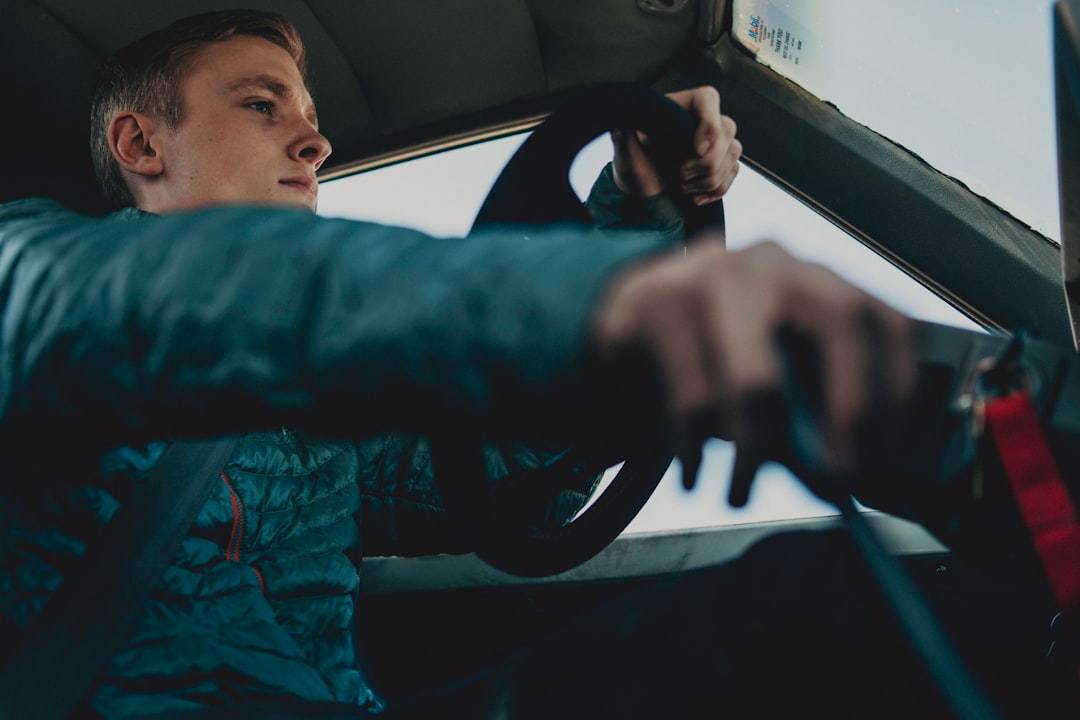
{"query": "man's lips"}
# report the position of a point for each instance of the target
(304, 183)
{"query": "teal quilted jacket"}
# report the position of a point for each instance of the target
(115, 331)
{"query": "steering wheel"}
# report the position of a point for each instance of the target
(533, 189)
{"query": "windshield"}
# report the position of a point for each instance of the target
(441, 194)
(964, 84)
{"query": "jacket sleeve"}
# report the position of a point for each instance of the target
(612, 209)
(232, 319)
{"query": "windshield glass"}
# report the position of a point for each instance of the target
(964, 84)
(441, 194)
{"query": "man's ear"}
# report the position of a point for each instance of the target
(131, 139)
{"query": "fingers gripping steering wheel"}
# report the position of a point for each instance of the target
(534, 188)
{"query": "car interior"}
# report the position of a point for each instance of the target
(398, 81)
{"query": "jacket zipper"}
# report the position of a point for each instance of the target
(236, 534)
(232, 549)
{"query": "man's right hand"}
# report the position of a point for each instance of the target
(710, 323)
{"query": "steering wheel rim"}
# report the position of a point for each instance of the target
(534, 188)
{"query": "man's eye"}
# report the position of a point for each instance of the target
(263, 106)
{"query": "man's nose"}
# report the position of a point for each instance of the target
(312, 146)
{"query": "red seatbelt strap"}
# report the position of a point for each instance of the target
(1044, 502)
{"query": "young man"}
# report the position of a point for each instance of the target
(216, 302)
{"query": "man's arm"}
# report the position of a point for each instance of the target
(229, 319)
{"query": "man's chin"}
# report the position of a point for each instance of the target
(288, 204)
(262, 202)
(309, 207)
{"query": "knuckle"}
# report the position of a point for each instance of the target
(684, 292)
(767, 250)
(710, 255)
(850, 305)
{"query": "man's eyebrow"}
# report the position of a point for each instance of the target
(270, 84)
(261, 82)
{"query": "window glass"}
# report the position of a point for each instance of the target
(965, 84)
(441, 194)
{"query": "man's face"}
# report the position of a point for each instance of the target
(249, 133)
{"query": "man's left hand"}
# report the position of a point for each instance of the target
(707, 176)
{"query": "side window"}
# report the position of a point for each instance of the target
(440, 195)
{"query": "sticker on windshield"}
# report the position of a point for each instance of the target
(774, 38)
